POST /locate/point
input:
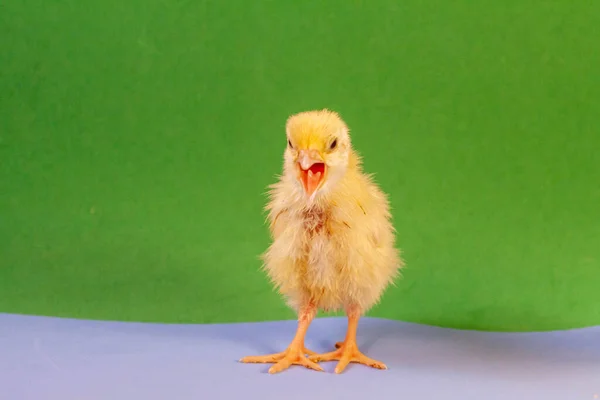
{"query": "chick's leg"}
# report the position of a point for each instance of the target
(347, 351)
(295, 353)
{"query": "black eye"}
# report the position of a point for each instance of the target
(333, 144)
(290, 144)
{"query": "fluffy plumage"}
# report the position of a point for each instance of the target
(338, 250)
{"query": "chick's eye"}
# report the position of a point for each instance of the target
(290, 144)
(333, 144)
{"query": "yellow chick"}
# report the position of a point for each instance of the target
(333, 243)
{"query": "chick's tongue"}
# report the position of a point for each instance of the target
(312, 181)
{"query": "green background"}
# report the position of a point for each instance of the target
(137, 139)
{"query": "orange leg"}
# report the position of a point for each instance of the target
(295, 353)
(347, 351)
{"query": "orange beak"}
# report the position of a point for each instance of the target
(311, 171)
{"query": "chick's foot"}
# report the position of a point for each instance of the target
(283, 360)
(347, 352)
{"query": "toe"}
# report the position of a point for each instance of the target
(270, 358)
(309, 352)
(344, 361)
(362, 359)
(280, 366)
(310, 364)
(334, 355)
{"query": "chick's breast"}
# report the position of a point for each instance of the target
(338, 253)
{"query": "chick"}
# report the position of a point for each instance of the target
(333, 243)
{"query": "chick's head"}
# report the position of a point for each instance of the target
(318, 150)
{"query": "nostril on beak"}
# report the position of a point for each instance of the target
(306, 158)
(305, 163)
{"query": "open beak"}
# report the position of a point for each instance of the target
(312, 170)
